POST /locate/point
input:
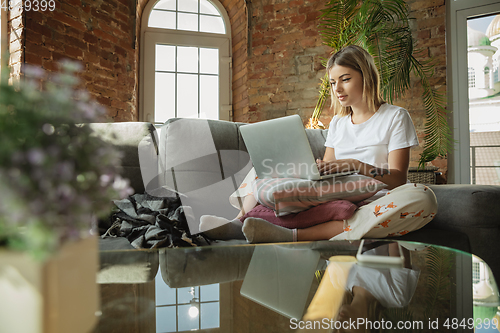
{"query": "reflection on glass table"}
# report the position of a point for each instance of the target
(184, 309)
(295, 287)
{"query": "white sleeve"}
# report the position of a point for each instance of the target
(402, 132)
(331, 132)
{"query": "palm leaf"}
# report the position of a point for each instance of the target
(437, 135)
(382, 28)
(439, 265)
(395, 315)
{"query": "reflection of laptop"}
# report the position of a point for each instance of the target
(279, 277)
(279, 148)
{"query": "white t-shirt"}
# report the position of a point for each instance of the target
(390, 128)
(392, 287)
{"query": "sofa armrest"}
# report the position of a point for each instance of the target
(188, 266)
(120, 262)
(473, 210)
(137, 142)
(467, 205)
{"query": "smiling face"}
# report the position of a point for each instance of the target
(347, 86)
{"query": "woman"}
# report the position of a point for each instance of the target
(366, 135)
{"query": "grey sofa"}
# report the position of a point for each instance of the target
(207, 160)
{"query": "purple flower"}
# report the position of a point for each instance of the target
(122, 186)
(36, 156)
(48, 129)
(65, 170)
(33, 72)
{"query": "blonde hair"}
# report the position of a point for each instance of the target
(359, 59)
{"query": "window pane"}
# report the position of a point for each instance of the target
(209, 96)
(209, 61)
(188, 6)
(188, 22)
(186, 322)
(165, 4)
(164, 294)
(165, 319)
(209, 315)
(187, 59)
(212, 24)
(164, 96)
(184, 294)
(162, 19)
(209, 293)
(207, 8)
(165, 58)
(187, 101)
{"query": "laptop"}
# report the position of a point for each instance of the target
(279, 278)
(279, 148)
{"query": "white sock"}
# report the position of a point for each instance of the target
(221, 228)
(260, 231)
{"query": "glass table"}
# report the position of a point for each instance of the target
(296, 287)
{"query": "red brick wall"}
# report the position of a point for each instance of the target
(277, 53)
(101, 35)
(284, 64)
(237, 11)
(429, 33)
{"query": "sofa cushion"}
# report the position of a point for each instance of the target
(292, 195)
(206, 161)
(317, 139)
(137, 142)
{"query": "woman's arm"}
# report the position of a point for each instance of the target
(329, 154)
(395, 176)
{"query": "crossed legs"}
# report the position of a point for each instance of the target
(256, 230)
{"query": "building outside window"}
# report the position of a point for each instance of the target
(472, 78)
(483, 40)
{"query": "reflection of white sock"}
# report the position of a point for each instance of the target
(221, 228)
(260, 231)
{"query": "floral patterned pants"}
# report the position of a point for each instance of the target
(406, 208)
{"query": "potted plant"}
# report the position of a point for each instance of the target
(55, 179)
(383, 29)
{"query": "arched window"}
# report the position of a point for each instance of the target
(472, 78)
(185, 61)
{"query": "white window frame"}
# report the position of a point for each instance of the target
(151, 36)
(457, 13)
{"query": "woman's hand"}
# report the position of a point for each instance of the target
(335, 166)
(394, 175)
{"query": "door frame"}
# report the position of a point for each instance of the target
(457, 13)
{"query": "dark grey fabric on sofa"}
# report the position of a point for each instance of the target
(205, 153)
(466, 213)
